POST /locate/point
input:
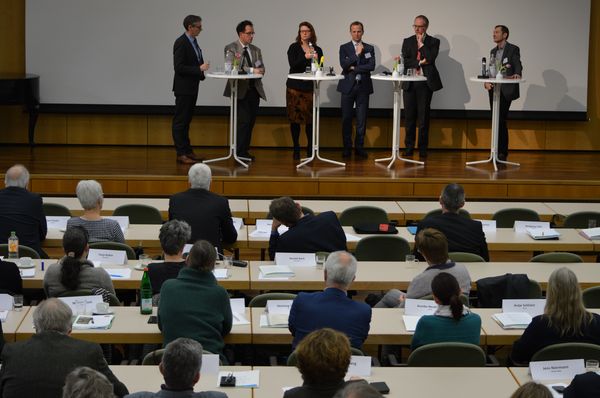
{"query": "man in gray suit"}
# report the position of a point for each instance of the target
(249, 91)
(38, 367)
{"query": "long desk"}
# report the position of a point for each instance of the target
(566, 208)
(12, 323)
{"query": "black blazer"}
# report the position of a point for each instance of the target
(187, 67)
(429, 51)
(363, 64)
(511, 59)
(298, 64)
(21, 211)
(10, 278)
(585, 385)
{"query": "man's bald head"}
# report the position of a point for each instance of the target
(17, 176)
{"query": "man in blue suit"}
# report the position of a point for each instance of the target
(332, 308)
(358, 61)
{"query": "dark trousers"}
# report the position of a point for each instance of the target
(184, 110)
(246, 117)
(417, 104)
(295, 129)
(361, 99)
(502, 126)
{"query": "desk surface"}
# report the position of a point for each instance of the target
(566, 208)
(12, 323)
(259, 208)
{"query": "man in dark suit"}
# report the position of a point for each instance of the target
(357, 60)
(21, 211)
(508, 56)
(189, 70)
(586, 385)
(207, 213)
(463, 234)
(249, 91)
(419, 52)
(38, 367)
(332, 308)
(307, 233)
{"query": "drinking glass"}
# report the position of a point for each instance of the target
(18, 302)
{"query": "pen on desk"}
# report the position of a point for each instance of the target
(115, 276)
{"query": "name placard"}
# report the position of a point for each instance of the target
(57, 222)
(419, 307)
(105, 256)
(554, 370)
(359, 366)
(533, 307)
(521, 226)
(210, 364)
(82, 305)
(296, 259)
(488, 225)
(122, 220)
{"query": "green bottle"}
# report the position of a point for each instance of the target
(146, 294)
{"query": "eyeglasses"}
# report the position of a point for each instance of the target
(250, 33)
(305, 31)
(419, 26)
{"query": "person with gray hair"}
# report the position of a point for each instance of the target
(207, 213)
(463, 234)
(332, 308)
(85, 382)
(100, 229)
(38, 367)
(21, 211)
(180, 366)
(358, 389)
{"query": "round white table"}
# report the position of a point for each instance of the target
(316, 112)
(495, 119)
(397, 80)
(233, 82)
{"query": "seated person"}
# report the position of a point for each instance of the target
(194, 305)
(10, 278)
(73, 271)
(586, 385)
(332, 308)
(452, 321)
(180, 366)
(85, 382)
(90, 195)
(173, 236)
(307, 233)
(1, 338)
(463, 234)
(433, 246)
(358, 390)
(532, 390)
(564, 320)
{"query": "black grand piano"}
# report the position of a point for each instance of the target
(22, 89)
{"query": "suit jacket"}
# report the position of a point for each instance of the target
(10, 278)
(317, 390)
(207, 213)
(322, 232)
(585, 385)
(429, 51)
(187, 67)
(298, 64)
(511, 59)
(38, 367)
(21, 211)
(330, 308)
(257, 62)
(463, 234)
(363, 64)
(166, 393)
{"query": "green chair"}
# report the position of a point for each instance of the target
(437, 212)
(363, 214)
(113, 301)
(114, 246)
(260, 301)
(580, 219)
(591, 297)
(305, 211)
(563, 351)
(463, 297)
(139, 214)
(293, 361)
(447, 354)
(382, 248)
(153, 358)
(56, 209)
(506, 218)
(24, 251)
(556, 257)
(464, 257)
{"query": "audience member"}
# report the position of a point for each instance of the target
(38, 367)
(359, 389)
(463, 234)
(532, 390)
(207, 213)
(180, 367)
(21, 211)
(85, 382)
(433, 246)
(332, 308)
(452, 321)
(193, 304)
(100, 229)
(10, 278)
(564, 320)
(173, 236)
(74, 271)
(585, 385)
(307, 233)
(1, 338)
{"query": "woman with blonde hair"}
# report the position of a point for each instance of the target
(564, 320)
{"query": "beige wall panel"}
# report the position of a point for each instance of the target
(472, 190)
(107, 129)
(51, 129)
(558, 192)
(366, 189)
(270, 188)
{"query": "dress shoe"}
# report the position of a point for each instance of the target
(247, 155)
(502, 156)
(422, 154)
(296, 154)
(408, 152)
(185, 159)
(195, 157)
(361, 154)
(346, 154)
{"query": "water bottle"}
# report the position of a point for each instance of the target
(145, 294)
(13, 245)
(313, 60)
(401, 65)
(492, 68)
(228, 61)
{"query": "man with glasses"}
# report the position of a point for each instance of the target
(419, 52)
(189, 70)
(250, 91)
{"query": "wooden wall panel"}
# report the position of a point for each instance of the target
(472, 189)
(156, 187)
(446, 134)
(204, 130)
(13, 125)
(12, 34)
(107, 129)
(53, 186)
(478, 134)
(270, 188)
(581, 191)
(528, 135)
(366, 189)
(51, 129)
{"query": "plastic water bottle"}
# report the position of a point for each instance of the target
(401, 65)
(313, 60)
(13, 245)
(145, 294)
(228, 61)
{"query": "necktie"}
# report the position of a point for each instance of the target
(246, 56)
(198, 52)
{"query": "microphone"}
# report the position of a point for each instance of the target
(483, 68)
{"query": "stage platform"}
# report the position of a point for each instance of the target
(153, 172)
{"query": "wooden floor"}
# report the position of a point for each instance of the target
(153, 171)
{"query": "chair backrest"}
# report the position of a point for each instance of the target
(437, 212)
(261, 300)
(363, 214)
(153, 358)
(56, 209)
(464, 257)
(113, 300)
(581, 219)
(305, 211)
(447, 354)
(114, 246)
(24, 251)
(556, 257)
(506, 218)
(293, 361)
(139, 214)
(562, 351)
(382, 248)
(591, 297)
